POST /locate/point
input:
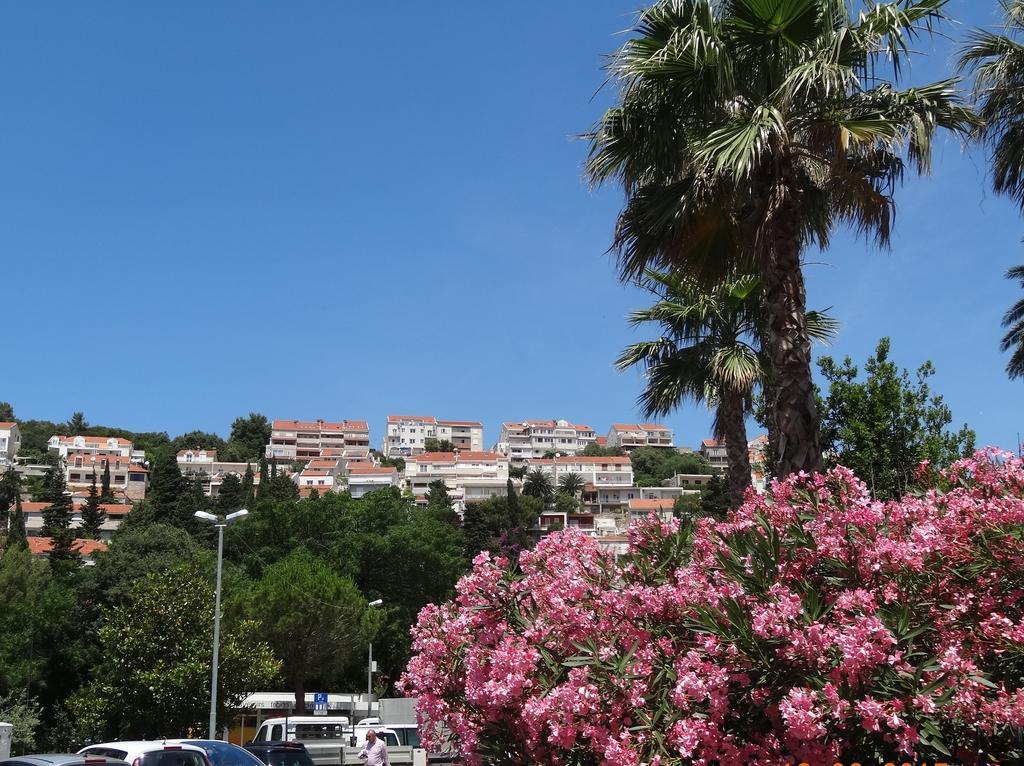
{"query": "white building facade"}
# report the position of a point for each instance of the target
(627, 436)
(10, 441)
(406, 435)
(471, 477)
(292, 440)
(531, 439)
(363, 478)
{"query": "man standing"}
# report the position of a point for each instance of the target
(374, 751)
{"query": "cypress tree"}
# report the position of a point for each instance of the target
(230, 497)
(166, 488)
(93, 514)
(10, 487)
(105, 494)
(261, 491)
(248, 497)
(16, 536)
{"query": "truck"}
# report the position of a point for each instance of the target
(331, 741)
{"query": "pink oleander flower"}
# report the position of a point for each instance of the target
(813, 624)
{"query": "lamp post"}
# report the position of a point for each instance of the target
(369, 667)
(220, 522)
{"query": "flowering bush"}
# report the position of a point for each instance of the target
(814, 624)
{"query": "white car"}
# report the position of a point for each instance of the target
(151, 753)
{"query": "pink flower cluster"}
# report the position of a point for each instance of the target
(814, 624)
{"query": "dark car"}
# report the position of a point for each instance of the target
(222, 753)
(62, 759)
(281, 753)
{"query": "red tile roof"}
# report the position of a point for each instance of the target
(210, 453)
(6, 425)
(601, 441)
(435, 457)
(40, 545)
(468, 423)
(112, 509)
(100, 440)
(372, 470)
(417, 418)
(651, 504)
(319, 425)
(713, 443)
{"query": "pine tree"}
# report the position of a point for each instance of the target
(230, 497)
(10, 487)
(57, 515)
(105, 494)
(166, 489)
(93, 514)
(16, 536)
(248, 496)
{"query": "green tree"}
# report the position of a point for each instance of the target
(596, 450)
(77, 424)
(715, 500)
(571, 484)
(106, 496)
(500, 524)
(1013, 321)
(231, 496)
(17, 537)
(688, 505)
(57, 516)
(248, 487)
(745, 132)
(654, 465)
(10, 489)
(7, 412)
(314, 619)
(197, 440)
(884, 426)
(23, 715)
(153, 677)
(249, 436)
(93, 515)
(437, 445)
(440, 503)
(166, 488)
(538, 483)
(264, 485)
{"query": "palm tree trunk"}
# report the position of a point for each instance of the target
(734, 430)
(794, 407)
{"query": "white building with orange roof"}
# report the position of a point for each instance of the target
(128, 479)
(10, 441)
(116, 512)
(598, 471)
(366, 478)
(715, 452)
(535, 438)
(406, 435)
(292, 440)
(108, 445)
(627, 436)
(471, 476)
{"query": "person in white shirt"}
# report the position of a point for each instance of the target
(374, 751)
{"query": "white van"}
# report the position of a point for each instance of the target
(323, 735)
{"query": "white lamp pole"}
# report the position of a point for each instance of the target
(220, 522)
(369, 667)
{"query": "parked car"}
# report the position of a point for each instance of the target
(150, 753)
(62, 759)
(220, 753)
(281, 753)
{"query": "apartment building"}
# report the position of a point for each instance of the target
(116, 512)
(535, 438)
(108, 445)
(365, 478)
(322, 474)
(715, 452)
(203, 464)
(128, 479)
(406, 435)
(470, 476)
(292, 440)
(628, 436)
(10, 441)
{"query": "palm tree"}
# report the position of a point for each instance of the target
(538, 484)
(997, 62)
(571, 484)
(1013, 341)
(745, 131)
(710, 351)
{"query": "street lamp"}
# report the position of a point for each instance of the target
(369, 668)
(220, 522)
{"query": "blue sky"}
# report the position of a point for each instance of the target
(345, 210)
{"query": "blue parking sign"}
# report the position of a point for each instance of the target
(320, 703)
